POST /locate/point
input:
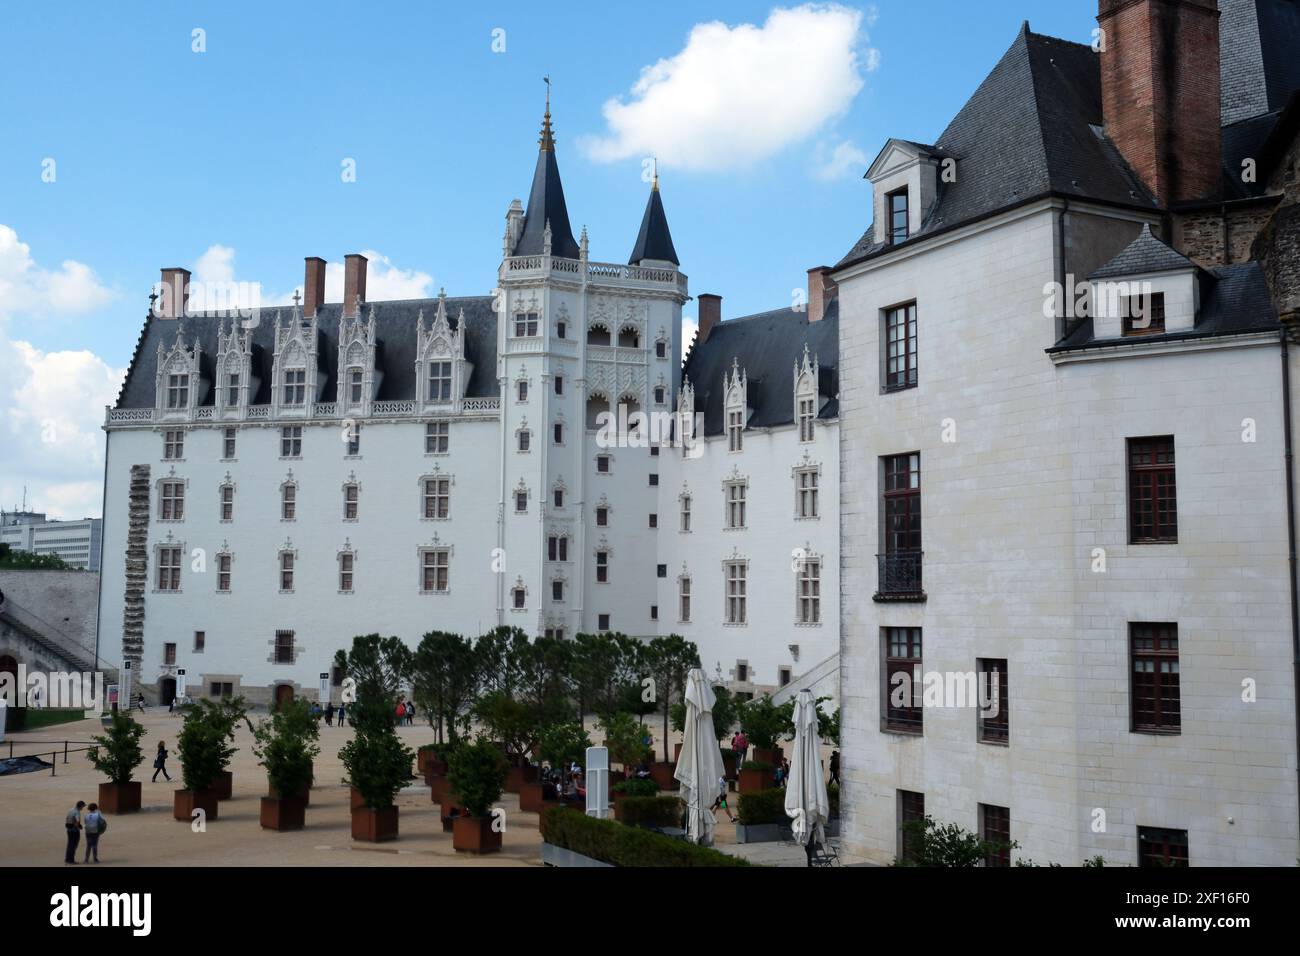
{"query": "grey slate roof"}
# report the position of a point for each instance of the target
(1144, 255)
(546, 203)
(1279, 42)
(1031, 129)
(395, 353)
(654, 241)
(766, 346)
(1234, 301)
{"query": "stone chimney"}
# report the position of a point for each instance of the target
(710, 315)
(313, 286)
(1160, 93)
(821, 290)
(354, 284)
(174, 300)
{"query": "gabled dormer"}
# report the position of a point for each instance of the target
(359, 372)
(295, 378)
(178, 387)
(1148, 289)
(905, 182)
(441, 370)
(237, 381)
(807, 399)
(736, 410)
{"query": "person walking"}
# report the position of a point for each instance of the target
(721, 801)
(835, 767)
(740, 744)
(95, 827)
(343, 715)
(160, 762)
(329, 714)
(72, 823)
(139, 702)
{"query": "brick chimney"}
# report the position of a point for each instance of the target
(313, 286)
(1160, 93)
(354, 283)
(710, 315)
(174, 298)
(821, 290)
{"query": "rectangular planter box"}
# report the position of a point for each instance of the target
(120, 797)
(223, 786)
(288, 813)
(516, 777)
(304, 795)
(357, 801)
(762, 833)
(754, 780)
(448, 803)
(729, 765)
(553, 855)
(187, 801)
(374, 826)
(662, 774)
(762, 755)
(536, 797)
(475, 835)
(438, 787)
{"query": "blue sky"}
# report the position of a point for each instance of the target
(162, 153)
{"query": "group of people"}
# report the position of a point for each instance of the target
(404, 713)
(567, 781)
(329, 712)
(93, 825)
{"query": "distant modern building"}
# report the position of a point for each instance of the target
(76, 542)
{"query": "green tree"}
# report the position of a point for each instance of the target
(626, 738)
(764, 723)
(670, 660)
(445, 681)
(726, 712)
(378, 666)
(500, 655)
(285, 744)
(510, 721)
(476, 775)
(13, 559)
(947, 845)
(117, 753)
(545, 666)
(563, 743)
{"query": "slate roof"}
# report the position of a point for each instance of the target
(654, 241)
(1234, 301)
(1144, 255)
(1279, 45)
(395, 323)
(766, 346)
(1031, 129)
(546, 203)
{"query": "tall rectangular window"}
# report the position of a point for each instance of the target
(807, 416)
(686, 512)
(435, 567)
(1160, 847)
(736, 429)
(286, 570)
(178, 391)
(437, 438)
(1154, 693)
(353, 434)
(902, 692)
(911, 815)
(354, 386)
(1152, 491)
(805, 502)
(995, 827)
(172, 501)
(736, 592)
(994, 716)
(345, 570)
(521, 388)
(559, 385)
(602, 567)
(288, 501)
(736, 493)
(232, 390)
(284, 647)
(900, 347)
(200, 639)
(557, 590)
(228, 443)
(351, 500)
(684, 599)
(169, 569)
(437, 497)
(440, 381)
(223, 572)
(557, 548)
(810, 591)
(295, 386)
(174, 443)
(900, 564)
(291, 441)
(169, 654)
(899, 226)
(227, 502)
(525, 325)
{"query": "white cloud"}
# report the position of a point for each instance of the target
(690, 328)
(736, 95)
(26, 287)
(383, 280)
(873, 60)
(836, 162)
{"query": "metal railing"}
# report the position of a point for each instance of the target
(899, 574)
(68, 748)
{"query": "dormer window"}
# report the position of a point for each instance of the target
(735, 429)
(354, 386)
(178, 391)
(525, 325)
(232, 389)
(1145, 314)
(896, 205)
(295, 386)
(440, 381)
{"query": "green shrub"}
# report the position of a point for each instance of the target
(477, 775)
(948, 845)
(286, 746)
(764, 806)
(201, 745)
(626, 738)
(562, 744)
(117, 753)
(657, 811)
(621, 845)
(755, 765)
(637, 787)
(377, 762)
(764, 723)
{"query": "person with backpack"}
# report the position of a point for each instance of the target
(160, 762)
(95, 825)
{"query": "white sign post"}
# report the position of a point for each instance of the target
(180, 685)
(124, 685)
(324, 696)
(598, 782)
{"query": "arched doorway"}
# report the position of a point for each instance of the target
(167, 690)
(283, 695)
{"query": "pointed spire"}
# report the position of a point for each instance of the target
(654, 241)
(546, 202)
(547, 140)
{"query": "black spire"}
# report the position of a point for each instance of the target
(546, 201)
(654, 241)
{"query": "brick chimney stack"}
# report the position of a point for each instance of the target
(313, 286)
(1160, 93)
(710, 315)
(354, 284)
(174, 300)
(821, 290)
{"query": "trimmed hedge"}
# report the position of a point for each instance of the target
(662, 811)
(762, 806)
(637, 787)
(621, 845)
(756, 765)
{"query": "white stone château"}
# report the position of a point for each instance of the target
(278, 484)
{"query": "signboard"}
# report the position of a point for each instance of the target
(180, 684)
(324, 688)
(597, 780)
(124, 675)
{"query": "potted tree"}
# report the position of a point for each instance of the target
(286, 745)
(513, 723)
(560, 745)
(625, 738)
(377, 764)
(477, 775)
(116, 754)
(764, 723)
(224, 716)
(201, 745)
